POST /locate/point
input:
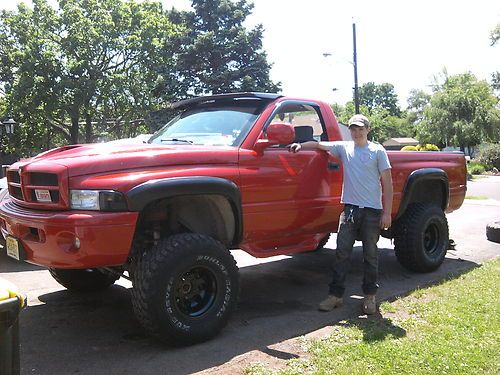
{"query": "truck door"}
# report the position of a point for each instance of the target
(290, 197)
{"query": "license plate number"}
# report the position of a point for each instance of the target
(12, 247)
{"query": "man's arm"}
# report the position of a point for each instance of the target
(309, 145)
(386, 178)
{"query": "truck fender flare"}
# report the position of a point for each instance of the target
(416, 178)
(141, 195)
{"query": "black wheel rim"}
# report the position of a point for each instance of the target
(195, 291)
(432, 239)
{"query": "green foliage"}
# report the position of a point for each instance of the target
(418, 100)
(87, 67)
(495, 83)
(380, 104)
(381, 96)
(383, 124)
(345, 112)
(475, 168)
(462, 112)
(96, 69)
(495, 35)
(220, 55)
(450, 328)
(489, 155)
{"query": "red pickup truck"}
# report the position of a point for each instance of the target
(165, 213)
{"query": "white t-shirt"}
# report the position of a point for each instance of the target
(362, 168)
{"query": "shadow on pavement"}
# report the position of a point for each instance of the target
(97, 333)
(8, 264)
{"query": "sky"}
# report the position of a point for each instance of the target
(404, 43)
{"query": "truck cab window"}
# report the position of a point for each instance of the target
(305, 119)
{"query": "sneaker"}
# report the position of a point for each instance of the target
(370, 305)
(330, 303)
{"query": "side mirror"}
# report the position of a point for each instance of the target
(280, 134)
(277, 134)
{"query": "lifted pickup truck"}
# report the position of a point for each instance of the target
(219, 176)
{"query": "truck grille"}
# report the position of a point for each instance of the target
(35, 188)
(13, 176)
(48, 179)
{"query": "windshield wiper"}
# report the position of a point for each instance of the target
(176, 140)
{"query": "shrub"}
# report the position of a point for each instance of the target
(475, 168)
(427, 147)
(409, 148)
(489, 156)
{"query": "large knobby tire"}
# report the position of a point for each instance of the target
(421, 237)
(83, 280)
(185, 289)
(493, 231)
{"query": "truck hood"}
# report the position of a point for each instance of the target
(107, 157)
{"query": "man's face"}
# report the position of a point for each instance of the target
(359, 134)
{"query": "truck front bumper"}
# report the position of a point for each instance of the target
(67, 239)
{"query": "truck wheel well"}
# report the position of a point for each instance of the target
(428, 191)
(427, 185)
(207, 214)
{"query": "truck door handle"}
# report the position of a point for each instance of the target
(333, 166)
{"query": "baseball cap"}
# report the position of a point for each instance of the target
(359, 120)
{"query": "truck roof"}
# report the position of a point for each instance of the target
(259, 96)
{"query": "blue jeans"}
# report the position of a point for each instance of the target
(357, 223)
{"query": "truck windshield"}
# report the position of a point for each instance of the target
(209, 126)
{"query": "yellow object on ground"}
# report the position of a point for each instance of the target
(9, 290)
(4, 294)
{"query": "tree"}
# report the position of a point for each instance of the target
(462, 112)
(221, 55)
(495, 82)
(495, 77)
(495, 35)
(383, 124)
(88, 66)
(418, 101)
(380, 96)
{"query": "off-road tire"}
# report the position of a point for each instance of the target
(421, 237)
(185, 288)
(83, 280)
(493, 231)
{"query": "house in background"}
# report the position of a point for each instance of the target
(399, 143)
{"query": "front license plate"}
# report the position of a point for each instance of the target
(43, 196)
(12, 247)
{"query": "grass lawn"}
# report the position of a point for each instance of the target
(476, 197)
(478, 176)
(451, 328)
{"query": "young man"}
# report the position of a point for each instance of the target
(366, 210)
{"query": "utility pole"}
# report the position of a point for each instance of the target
(355, 64)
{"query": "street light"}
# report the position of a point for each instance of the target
(9, 126)
(354, 63)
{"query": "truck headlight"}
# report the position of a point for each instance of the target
(98, 200)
